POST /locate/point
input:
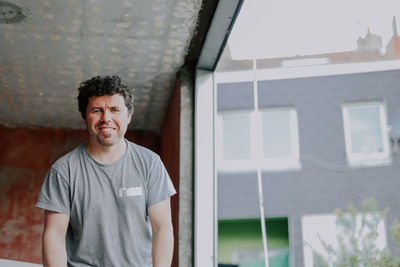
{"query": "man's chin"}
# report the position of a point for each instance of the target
(107, 141)
(106, 144)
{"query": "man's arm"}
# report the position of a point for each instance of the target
(163, 238)
(55, 229)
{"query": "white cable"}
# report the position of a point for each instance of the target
(259, 180)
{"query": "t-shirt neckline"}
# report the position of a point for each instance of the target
(103, 164)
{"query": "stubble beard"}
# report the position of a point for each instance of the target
(108, 139)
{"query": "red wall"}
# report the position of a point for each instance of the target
(169, 152)
(25, 157)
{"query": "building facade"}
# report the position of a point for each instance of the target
(321, 140)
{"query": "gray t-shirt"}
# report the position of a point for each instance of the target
(107, 205)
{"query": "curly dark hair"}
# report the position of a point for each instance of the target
(104, 85)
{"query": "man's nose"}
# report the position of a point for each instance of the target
(106, 116)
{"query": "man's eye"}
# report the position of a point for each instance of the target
(115, 110)
(96, 110)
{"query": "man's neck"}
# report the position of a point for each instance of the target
(106, 154)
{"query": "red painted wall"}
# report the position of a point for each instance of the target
(25, 157)
(169, 152)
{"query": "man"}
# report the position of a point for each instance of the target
(107, 202)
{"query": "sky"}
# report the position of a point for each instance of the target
(279, 28)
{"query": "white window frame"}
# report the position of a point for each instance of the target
(372, 158)
(205, 216)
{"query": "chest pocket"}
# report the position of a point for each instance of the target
(132, 200)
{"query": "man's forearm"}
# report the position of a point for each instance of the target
(163, 247)
(54, 252)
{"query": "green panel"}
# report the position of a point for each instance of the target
(245, 234)
(281, 260)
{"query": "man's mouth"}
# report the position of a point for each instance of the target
(106, 128)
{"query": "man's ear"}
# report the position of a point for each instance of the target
(130, 116)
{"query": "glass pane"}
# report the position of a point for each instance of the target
(240, 242)
(236, 136)
(371, 36)
(276, 134)
(365, 130)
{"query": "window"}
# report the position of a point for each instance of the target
(240, 242)
(279, 138)
(267, 139)
(234, 141)
(236, 136)
(366, 134)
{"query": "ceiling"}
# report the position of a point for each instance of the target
(49, 46)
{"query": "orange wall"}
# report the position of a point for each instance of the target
(169, 152)
(25, 157)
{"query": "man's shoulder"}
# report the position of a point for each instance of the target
(69, 158)
(141, 151)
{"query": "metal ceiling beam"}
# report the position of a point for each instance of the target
(218, 33)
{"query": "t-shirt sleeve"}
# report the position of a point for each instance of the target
(160, 185)
(54, 195)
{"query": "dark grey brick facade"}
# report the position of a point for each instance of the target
(316, 188)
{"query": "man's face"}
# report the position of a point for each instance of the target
(107, 119)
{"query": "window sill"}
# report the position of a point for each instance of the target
(265, 166)
(370, 162)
